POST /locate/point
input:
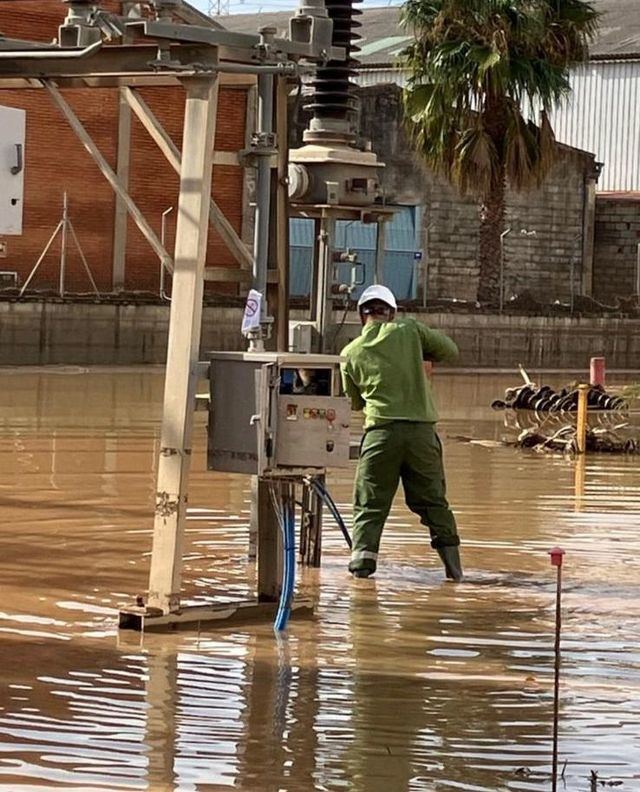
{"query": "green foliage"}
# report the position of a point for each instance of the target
(478, 71)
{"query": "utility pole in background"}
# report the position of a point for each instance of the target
(219, 8)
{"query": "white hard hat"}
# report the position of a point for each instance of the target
(378, 293)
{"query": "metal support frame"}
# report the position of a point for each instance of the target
(325, 217)
(196, 64)
(282, 217)
(310, 551)
(107, 171)
(378, 274)
(269, 542)
(174, 157)
(184, 343)
(261, 153)
(324, 279)
(263, 150)
(120, 219)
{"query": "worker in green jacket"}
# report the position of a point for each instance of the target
(383, 374)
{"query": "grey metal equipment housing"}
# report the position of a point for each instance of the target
(276, 413)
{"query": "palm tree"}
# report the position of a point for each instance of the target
(478, 71)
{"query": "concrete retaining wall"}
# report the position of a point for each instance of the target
(78, 334)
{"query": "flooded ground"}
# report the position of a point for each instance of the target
(402, 682)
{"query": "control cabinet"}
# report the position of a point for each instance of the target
(276, 413)
(12, 134)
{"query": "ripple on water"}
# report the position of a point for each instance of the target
(402, 682)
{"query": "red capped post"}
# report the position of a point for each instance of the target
(557, 554)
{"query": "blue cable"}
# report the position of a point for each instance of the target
(288, 526)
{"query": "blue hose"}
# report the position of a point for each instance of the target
(330, 503)
(288, 526)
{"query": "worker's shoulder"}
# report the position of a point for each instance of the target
(409, 324)
(351, 347)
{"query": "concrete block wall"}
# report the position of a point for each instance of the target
(46, 333)
(616, 247)
(539, 264)
(55, 161)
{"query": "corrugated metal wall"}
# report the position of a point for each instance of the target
(602, 116)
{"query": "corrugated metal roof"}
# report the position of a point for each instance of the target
(381, 32)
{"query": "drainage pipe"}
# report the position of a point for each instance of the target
(263, 145)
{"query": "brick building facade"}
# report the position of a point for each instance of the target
(56, 162)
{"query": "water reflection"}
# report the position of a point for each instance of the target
(400, 683)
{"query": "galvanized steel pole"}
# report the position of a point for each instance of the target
(263, 145)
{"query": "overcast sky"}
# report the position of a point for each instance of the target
(255, 6)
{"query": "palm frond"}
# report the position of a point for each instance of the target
(477, 69)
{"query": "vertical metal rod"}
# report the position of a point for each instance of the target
(579, 481)
(556, 560)
(163, 236)
(184, 342)
(85, 263)
(502, 238)
(571, 285)
(63, 243)
(263, 188)
(106, 170)
(378, 274)
(425, 264)
(282, 216)
(121, 217)
(581, 424)
(315, 271)
(324, 304)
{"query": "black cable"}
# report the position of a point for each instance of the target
(328, 500)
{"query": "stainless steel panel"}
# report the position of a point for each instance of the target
(232, 441)
(313, 431)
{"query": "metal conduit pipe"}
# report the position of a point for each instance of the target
(263, 149)
(278, 68)
(52, 52)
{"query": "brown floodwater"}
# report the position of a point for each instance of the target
(402, 682)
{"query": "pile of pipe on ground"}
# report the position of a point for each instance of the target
(553, 432)
(546, 399)
(598, 440)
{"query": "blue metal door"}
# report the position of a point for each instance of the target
(402, 240)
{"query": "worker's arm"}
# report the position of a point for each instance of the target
(436, 346)
(352, 390)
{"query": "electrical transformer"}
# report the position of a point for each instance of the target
(276, 413)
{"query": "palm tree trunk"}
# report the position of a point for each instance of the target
(490, 247)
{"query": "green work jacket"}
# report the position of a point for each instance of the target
(383, 372)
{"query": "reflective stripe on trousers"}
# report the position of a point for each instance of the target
(359, 555)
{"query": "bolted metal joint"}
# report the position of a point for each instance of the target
(79, 28)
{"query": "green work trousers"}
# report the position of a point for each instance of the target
(402, 450)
